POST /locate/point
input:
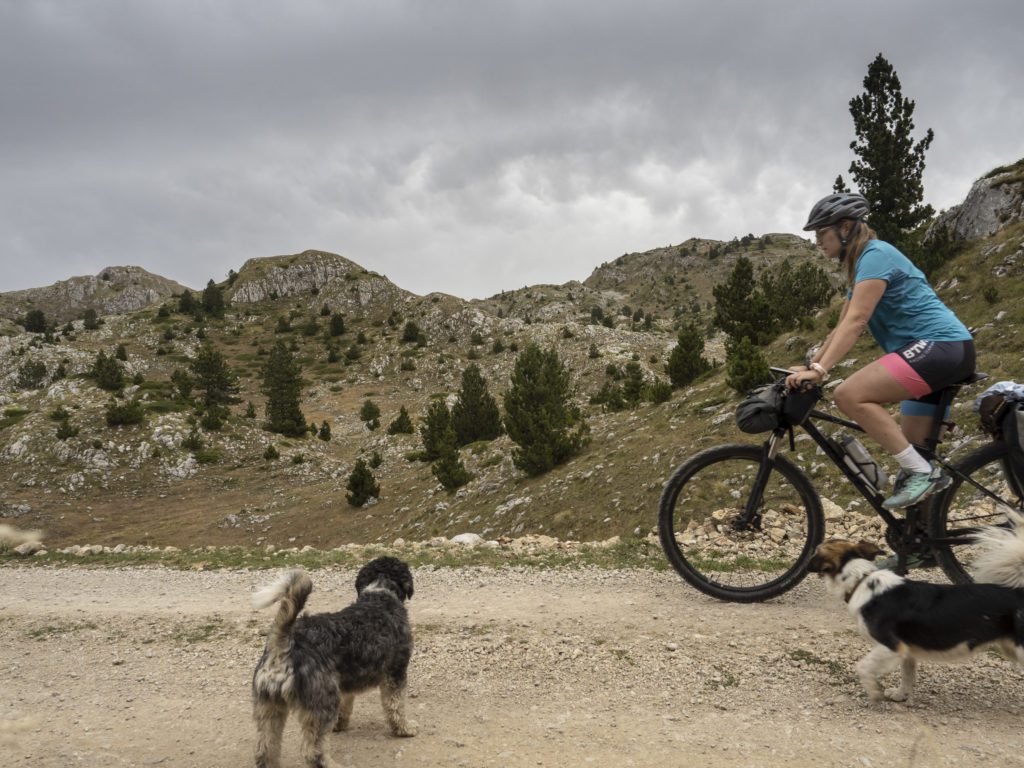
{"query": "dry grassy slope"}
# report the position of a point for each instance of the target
(125, 490)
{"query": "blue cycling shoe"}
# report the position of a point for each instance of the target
(912, 487)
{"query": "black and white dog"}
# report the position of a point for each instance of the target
(314, 665)
(914, 621)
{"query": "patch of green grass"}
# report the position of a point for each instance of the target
(724, 679)
(1016, 169)
(12, 416)
(621, 654)
(627, 554)
(200, 633)
(207, 455)
(834, 668)
(165, 406)
(727, 563)
(65, 628)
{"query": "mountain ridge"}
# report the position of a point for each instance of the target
(145, 484)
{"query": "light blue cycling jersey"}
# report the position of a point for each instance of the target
(909, 309)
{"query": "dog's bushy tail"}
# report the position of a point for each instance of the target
(12, 537)
(291, 590)
(1001, 559)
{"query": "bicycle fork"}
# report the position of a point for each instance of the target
(751, 515)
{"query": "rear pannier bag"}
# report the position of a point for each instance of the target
(1001, 409)
(1012, 426)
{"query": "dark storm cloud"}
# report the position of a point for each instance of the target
(460, 146)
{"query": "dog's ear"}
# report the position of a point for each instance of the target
(868, 550)
(407, 586)
(821, 564)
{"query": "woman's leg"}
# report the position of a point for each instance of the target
(861, 397)
(916, 428)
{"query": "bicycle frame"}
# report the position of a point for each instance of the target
(907, 529)
(835, 454)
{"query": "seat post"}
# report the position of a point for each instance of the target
(946, 399)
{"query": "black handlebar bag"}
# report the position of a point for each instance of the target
(772, 406)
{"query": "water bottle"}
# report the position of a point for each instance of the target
(859, 460)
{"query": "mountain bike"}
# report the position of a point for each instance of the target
(740, 522)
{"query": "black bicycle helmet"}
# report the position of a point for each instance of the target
(834, 208)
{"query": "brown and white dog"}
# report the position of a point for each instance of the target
(914, 621)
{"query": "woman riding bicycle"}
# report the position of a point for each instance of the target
(927, 347)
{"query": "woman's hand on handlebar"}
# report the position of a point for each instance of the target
(801, 377)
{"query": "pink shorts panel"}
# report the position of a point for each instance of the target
(908, 378)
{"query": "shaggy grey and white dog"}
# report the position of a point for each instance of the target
(314, 665)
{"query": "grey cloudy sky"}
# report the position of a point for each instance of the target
(464, 146)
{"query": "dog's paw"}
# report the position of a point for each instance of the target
(899, 695)
(341, 726)
(408, 728)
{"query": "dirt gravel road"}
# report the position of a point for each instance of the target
(150, 667)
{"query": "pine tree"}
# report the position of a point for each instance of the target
(795, 293)
(31, 375)
(402, 425)
(325, 432)
(610, 397)
(35, 321)
(107, 372)
(282, 385)
(65, 429)
(337, 325)
(540, 417)
(436, 425)
(370, 414)
(658, 391)
(89, 320)
(213, 300)
(686, 361)
(183, 384)
(118, 415)
(741, 308)
(745, 366)
(217, 384)
(187, 302)
(362, 485)
(449, 470)
(633, 386)
(411, 334)
(475, 415)
(890, 165)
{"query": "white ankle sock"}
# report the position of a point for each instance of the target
(912, 461)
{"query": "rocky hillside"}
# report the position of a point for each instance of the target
(115, 290)
(168, 482)
(668, 283)
(995, 201)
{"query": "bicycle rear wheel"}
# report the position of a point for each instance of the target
(958, 511)
(707, 495)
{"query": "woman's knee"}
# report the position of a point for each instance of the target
(845, 398)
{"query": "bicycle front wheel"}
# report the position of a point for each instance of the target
(704, 501)
(962, 508)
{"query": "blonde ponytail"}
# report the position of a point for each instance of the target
(855, 247)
